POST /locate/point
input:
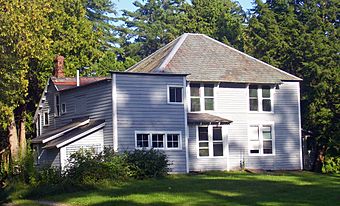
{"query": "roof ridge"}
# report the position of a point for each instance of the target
(151, 55)
(172, 52)
(247, 55)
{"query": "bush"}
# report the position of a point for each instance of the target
(331, 165)
(147, 163)
(87, 168)
(49, 176)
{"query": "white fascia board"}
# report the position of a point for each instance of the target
(42, 98)
(63, 132)
(81, 135)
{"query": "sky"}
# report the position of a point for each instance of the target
(127, 4)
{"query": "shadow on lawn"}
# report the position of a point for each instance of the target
(222, 189)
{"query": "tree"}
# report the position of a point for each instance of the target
(31, 34)
(157, 22)
(302, 37)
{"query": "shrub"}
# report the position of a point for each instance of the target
(147, 163)
(85, 167)
(331, 165)
(49, 176)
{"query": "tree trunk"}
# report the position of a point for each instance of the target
(13, 139)
(22, 136)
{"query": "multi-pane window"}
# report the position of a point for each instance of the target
(217, 141)
(195, 97)
(210, 141)
(260, 98)
(159, 140)
(203, 142)
(208, 97)
(175, 94)
(261, 139)
(201, 97)
(172, 140)
(57, 105)
(142, 140)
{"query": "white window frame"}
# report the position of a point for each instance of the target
(260, 98)
(165, 145)
(261, 125)
(63, 112)
(211, 141)
(48, 117)
(168, 93)
(56, 107)
(202, 97)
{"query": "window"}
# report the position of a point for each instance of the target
(195, 97)
(46, 118)
(172, 140)
(175, 94)
(260, 98)
(261, 139)
(63, 108)
(210, 141)
(201, 97)
(57, 105)
(158, 140)
(142, 140)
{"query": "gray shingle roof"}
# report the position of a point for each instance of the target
(74, 133)
(205, 118)
(206, 59)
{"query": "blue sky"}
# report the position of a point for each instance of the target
(127, 4)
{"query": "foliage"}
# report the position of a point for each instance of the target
(157, 22)
(87, 168)
(331, 165)
(147, 163)
(302, 37)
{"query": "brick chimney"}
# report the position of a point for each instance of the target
(59, 67)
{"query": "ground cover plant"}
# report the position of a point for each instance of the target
(212, 188)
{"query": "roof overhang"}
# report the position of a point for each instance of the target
(206, 119)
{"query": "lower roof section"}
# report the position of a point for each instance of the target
(206, 119)
(76, 134)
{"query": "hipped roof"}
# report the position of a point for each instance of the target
(206, 59)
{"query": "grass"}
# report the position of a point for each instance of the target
(213, 188)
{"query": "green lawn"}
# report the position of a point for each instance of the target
(214, 188)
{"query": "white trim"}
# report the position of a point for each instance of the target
(253, 58)
(80, 135)
(42, 98)
(172, 53)
(63, 132)
(165, 146)
(211, 141)
(114, 111)
(168, 93)
(300, 135)
(63, 160)
(186, 124)
(260, 125)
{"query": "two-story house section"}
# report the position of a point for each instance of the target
(208, 106)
